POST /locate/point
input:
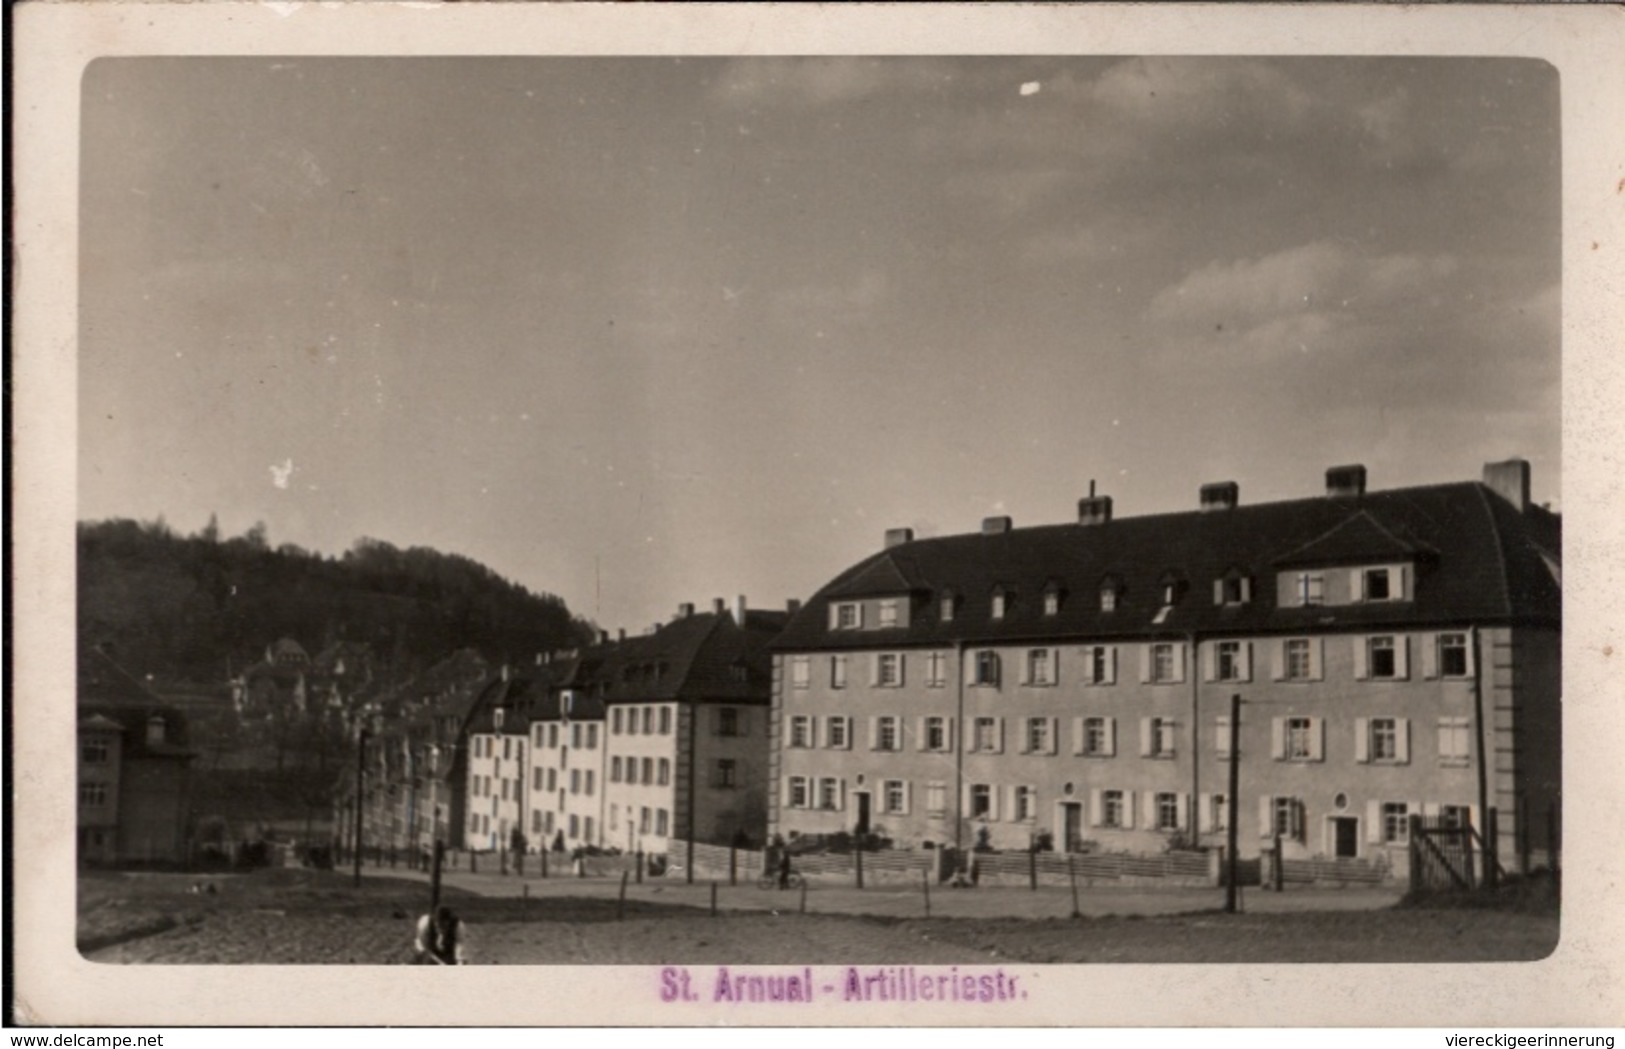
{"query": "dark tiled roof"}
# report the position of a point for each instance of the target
(1480, 560)
(108, 693)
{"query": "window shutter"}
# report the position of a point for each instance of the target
(1362, 662)
(1430, 656)
(1128, 810)
(1373, 822)
(1362, 740)
(840, 802)
(1179, 661)
(1096, 810)
(1204, 813)
(1266, 814)
(908, 796)
(1182, 811)
(1402, 656)
(1218, 591)
(1145, 737)
(1111, 737)
(1317, 651)
(1014, 814)
(874, 733)
(1149, 804)
(1278, 738)
(993, 802)
(965, 800)
(1210, 662)
(998, 736)
(1027, 667)
(1025, 746)
(968, 671)
(1317, 739)
(1111, 664)
(1054, 735)
(834, 616)
(874, 669)
(1221, 743)
(919, 734)
(1356, 590)
(1399, 583)
(1430, 810)
(1055, 666)
(1145, 664)
(1280, 660)
(1402, 741)
(948, 734)
(902, 668)
(1246, 589)
(1077, 736)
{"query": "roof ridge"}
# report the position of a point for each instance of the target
(1502, 573)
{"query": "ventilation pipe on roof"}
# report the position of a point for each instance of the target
(1510, 481)
(739, 610)
(898, 536)
(995, 525)
(1345, 482)
(1222, 495)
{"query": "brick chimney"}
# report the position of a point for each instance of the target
(603, 637)
(1510, 481)
(1221, 495)
(898, 536)
(739, 610)
(620, 634)
(793, 605)
(995, 525)
(1345, 482)
(1094, 509)
(718, 606)
(685, 610)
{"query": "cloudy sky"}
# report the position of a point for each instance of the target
(645, 331)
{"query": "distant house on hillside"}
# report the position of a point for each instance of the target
(134, 770)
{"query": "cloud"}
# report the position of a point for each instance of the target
(823, 81)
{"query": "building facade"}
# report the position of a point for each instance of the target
(1395, 653)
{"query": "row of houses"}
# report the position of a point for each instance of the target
(1068, 686)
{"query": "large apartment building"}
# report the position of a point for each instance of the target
(1397, 653)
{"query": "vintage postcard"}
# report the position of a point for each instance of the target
(810, 515)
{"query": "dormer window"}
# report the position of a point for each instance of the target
(1379, 584)
(1310, 589)
(1234, 588)
(1171, 587)
(155, 730)
(1110, 588)
(847, 615)
(1052, 598)
(1001, 602)
(888, 612)
(946, 605)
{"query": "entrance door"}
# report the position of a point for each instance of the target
(863, 812)
(1072, 825)
(1345, 836)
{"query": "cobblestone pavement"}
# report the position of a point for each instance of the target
(901, 901)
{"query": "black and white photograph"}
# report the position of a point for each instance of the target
(803, 530)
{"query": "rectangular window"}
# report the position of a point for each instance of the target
(829, 794)
(1111, 808)
(936, 798)
(1234, 590)
(632, 722)
(93, 795)
(1380, 661)
(888, 670)
(727, 721)
(575, 826)
(1299, 739)
(892, 797)
(589, 781)
(1384, 739)
(575, 782)
(592, 737)
(507, 748)
(1167, 811)
(848, 616)
(552, 779)
(726, 773)
(1297, 659)
(575, 736)
(887, 736)
(1228, 658)
(536, 821)
(614, 771)
(800, 731)
(1455, 816)
(1311, 588)
(1454, 743)
(981, 801)
(615, 721)
(946, 607)
(648, 721)
(662, 824)
(1039, 670)
(1287, 820)
(998, 605)
(800, 671)
(1026, 803)
(888, 613)
(648, 765)
(1219, 814)
(987, 735)
(837, 671)
(1159, 738)
(1097, 740)
(504, 790)
(1038, 736)
(1377, 585)
(1052, 603)
(800, 794)
(1100, 665)
(838, 729)
(1453, 655)
(1396, 824)
(665, 721)
(936, 669)
(94, 752)
(665, 772)
(987, 668)
(643, 820)
(536, 778)
(936, 734)
(1162, 663)
(1108, 599)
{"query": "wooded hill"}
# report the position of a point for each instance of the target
(196, 609)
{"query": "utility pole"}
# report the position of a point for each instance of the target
(1231, 890)
(360, 782)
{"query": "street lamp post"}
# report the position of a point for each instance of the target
(360, 782)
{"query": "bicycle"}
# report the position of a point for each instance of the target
(770, 880)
